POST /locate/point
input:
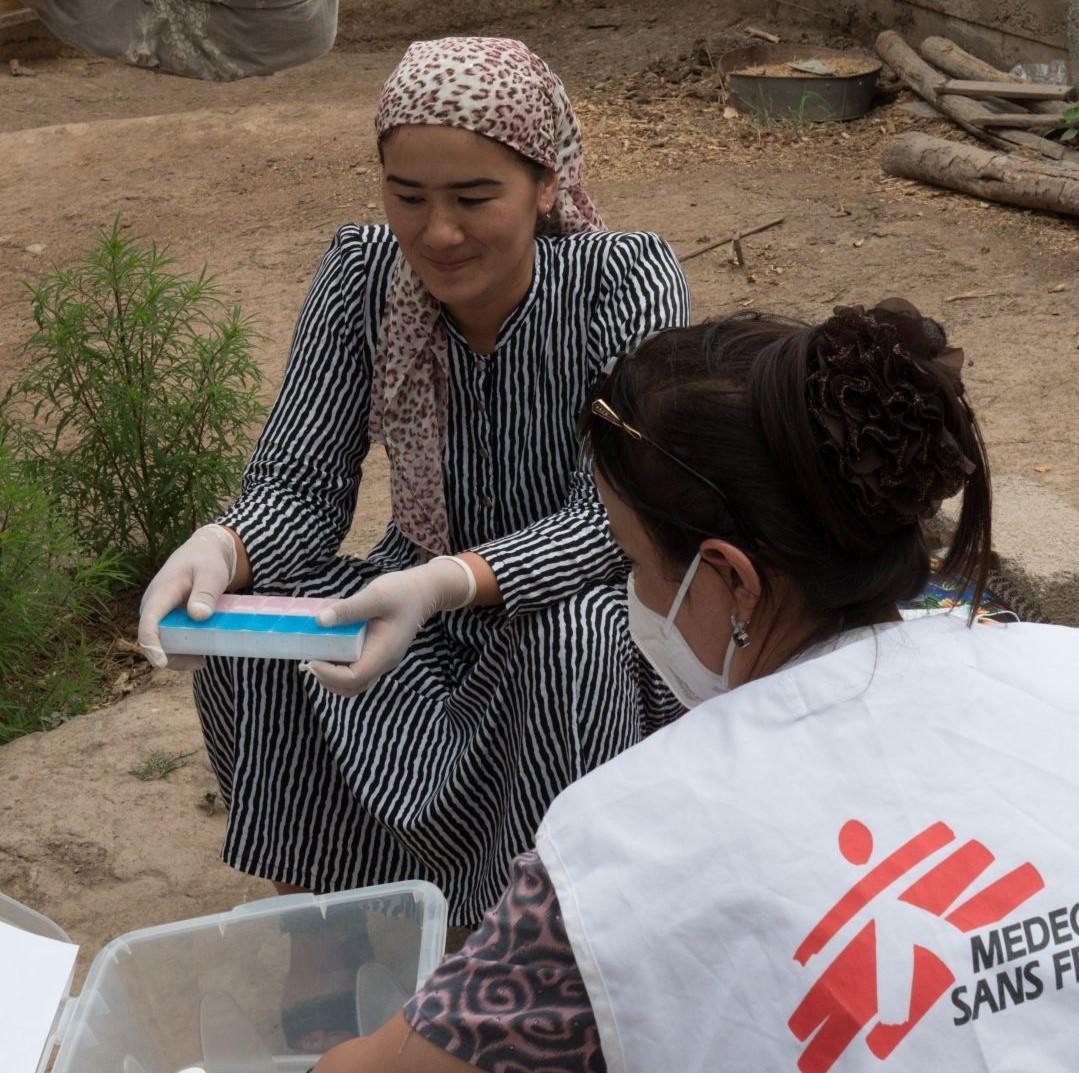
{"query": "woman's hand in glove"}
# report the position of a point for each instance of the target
(196, 573)
(395, 607)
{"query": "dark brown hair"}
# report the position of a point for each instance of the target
(830, 445)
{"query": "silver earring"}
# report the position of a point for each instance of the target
(739, 633)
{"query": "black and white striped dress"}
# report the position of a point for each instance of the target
(443, 769)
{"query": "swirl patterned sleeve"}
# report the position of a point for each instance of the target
(299, 488)
(643, 291)
(513, 998)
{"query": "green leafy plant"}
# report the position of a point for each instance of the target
(1070, 117)
(137, 400)
(158, 764)
(50, 663)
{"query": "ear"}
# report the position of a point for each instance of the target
(548, 191)
(738, 571)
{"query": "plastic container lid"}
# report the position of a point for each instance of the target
(28, 920)
(22, 916)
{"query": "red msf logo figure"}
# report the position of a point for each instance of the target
(845, 998)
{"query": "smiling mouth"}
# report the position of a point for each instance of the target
(449, 266)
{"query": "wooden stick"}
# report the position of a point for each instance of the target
(1010, 91)
(957, 63)
(21, 16)
(1021, 121)
(975, 294)
(731, 238)
(926, 82)
(764, 35)
(1005, 177)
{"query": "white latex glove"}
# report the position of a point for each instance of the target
(197, 572)
(395, 607)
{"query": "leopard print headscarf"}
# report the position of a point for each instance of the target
(499, 88)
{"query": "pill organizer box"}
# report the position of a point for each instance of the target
(209, 994)
(266, 627)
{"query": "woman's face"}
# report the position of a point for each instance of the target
(704, 619)
(464, 210)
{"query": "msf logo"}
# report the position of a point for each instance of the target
(849, 995)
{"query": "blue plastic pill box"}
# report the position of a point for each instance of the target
(265, 627)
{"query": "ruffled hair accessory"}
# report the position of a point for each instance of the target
(878, 395)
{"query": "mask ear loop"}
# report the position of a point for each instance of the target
(680, 595)
(732, 647)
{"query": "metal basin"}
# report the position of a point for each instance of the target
(804, 98)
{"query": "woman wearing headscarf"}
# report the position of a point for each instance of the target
(464, 336)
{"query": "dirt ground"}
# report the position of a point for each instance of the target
(252, 179)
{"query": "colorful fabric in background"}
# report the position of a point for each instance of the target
(501, 89)
(942, 597)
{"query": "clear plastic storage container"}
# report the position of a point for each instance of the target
(215, 994)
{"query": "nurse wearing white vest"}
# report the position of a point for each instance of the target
(860, 850)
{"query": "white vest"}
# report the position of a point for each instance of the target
(868, 861)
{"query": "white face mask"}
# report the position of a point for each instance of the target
(668, 651)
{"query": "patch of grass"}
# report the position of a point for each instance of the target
(158, 765)
(794, 123)
(799, 118)
(762, 122)
(55, 602)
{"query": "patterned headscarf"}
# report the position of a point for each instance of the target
(499, 88)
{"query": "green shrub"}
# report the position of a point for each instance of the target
(1070, 122)
(50, 595)
(138, 399)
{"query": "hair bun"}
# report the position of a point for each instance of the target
(878, 393)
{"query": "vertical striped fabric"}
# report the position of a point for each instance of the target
(443, 769)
